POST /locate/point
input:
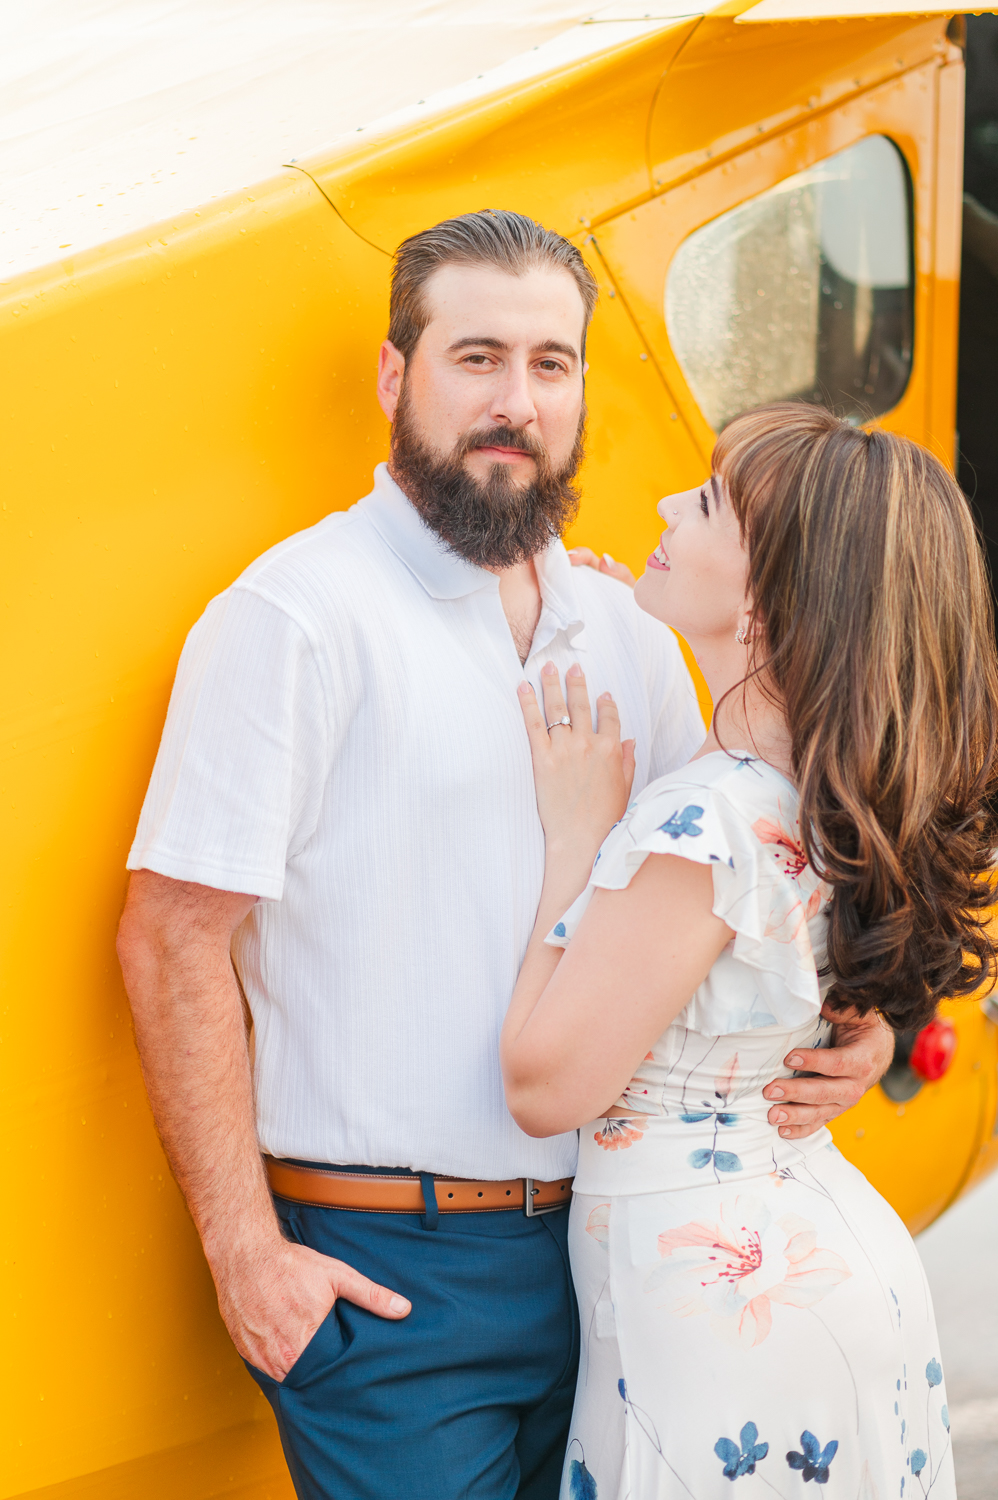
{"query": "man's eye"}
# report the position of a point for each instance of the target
(477, 359)
(550, 364)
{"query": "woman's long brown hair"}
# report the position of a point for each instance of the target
(872, 604)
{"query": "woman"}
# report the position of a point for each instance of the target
(752, 1311)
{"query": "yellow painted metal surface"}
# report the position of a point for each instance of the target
(170, 410)
(174, 403)
(923, 1154)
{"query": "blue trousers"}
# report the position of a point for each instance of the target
(470, 1396)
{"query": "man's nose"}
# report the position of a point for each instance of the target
(512, 399)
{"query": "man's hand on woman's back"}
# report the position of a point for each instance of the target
(861, 1052)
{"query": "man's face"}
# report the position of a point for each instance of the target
(487, 412)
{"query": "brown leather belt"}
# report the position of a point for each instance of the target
(323, 1187)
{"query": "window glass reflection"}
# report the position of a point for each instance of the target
(804, 291)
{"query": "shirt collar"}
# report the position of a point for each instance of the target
(444, 574)
(562, 608)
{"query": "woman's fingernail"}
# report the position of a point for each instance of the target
(605, 698)
(399, 1305)
(525, 688)
(549, 669)
(774, 1093)
(794, 1061)
(785, 1131)
(574, 670)
(608, 559)
(781, 1114)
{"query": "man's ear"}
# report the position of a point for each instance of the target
(391, 368)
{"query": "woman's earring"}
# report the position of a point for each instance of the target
(740, 635)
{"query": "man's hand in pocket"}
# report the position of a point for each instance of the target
(274, 1298)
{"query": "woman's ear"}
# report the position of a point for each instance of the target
(743, 634)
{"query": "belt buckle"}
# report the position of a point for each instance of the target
(529, 1192)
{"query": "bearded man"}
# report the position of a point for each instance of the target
(341, 826)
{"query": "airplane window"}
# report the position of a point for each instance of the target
(806, 291)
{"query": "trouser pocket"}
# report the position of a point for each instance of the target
(327, 1345)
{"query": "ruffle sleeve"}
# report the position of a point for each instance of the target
(763, 889)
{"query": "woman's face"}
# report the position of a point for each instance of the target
(696, 579)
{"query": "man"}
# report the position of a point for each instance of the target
(341, 824)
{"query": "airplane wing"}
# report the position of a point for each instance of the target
(832, 10)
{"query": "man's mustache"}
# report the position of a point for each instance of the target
(500, 437)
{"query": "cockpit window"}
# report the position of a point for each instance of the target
(805, 291)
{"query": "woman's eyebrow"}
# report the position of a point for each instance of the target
(714, 489)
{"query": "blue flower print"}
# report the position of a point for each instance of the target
(679, 823)
(716, 1111)
(945, 1417)
(724, 1161)
(918, 1461)
(581, 1484)
(622, 1389)
(934, 1372)
(814, 1460)
(559, 929)
(738, 1461)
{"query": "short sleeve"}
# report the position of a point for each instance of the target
(237, 783)
(763, 889)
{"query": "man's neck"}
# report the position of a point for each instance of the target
(520, 595)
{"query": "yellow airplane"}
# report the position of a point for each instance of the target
(769, 195)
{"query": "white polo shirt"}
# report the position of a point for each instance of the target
(344, 740)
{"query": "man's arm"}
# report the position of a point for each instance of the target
(859, 1057)
(173, 944)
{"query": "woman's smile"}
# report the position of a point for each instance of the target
(659, 558)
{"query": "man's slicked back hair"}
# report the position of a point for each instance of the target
(492, 237)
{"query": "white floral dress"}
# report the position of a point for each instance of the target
(755, 1318)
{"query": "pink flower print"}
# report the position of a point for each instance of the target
(790, 852)
(617, 1133)
(813, 905)
(598, 1224)
(789, 917)
(726, 1079)
(736, 1268)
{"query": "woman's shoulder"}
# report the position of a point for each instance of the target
(734, 785)
(715, 810)
(738, 815)
(732, 811)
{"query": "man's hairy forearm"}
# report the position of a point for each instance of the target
(174, 949)
(189, 1026)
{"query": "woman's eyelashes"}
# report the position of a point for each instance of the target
(703, 501)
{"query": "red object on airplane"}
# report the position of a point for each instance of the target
(934, 1049)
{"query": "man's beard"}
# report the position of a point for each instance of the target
(495, 522)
